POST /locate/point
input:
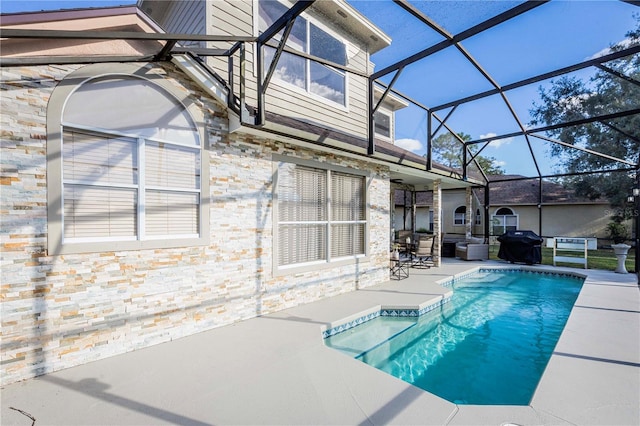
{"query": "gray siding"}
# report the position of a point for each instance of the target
(233, 18)
(236, 18)
(185, 17)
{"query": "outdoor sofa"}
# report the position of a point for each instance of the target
(472, 249)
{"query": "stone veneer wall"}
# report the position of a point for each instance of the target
(61, 311)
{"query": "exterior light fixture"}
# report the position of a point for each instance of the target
(630, 199)
(636, 192)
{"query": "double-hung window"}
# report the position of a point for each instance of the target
(307, 37)
(321, 215)
(130, 169)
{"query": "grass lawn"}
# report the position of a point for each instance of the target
(596, 259)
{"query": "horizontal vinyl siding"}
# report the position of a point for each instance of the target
(291, 103)
(236, 18)
(233, 18)
(185, 17)
(281, 100)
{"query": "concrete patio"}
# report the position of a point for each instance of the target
(276, 370)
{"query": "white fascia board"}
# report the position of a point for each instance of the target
(350, 18)
(392, 101)
(206, 81)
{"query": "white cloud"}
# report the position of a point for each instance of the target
(498, 142)
(626, 43)
(497, 163)
(488, 135)
(412, 145)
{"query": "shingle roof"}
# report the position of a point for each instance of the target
(503, 191)
(506, 191)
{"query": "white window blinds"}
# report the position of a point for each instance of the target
(131, 164)
(100, 186)
(313, 227)
(348, 215)
(302, 211)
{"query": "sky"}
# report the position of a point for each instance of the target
(12, 6)
(556, 34)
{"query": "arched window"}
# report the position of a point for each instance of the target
(504, 220)
(130, 169)
(459, 215)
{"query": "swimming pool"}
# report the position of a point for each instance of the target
(488, 344)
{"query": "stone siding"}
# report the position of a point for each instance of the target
(61, 311)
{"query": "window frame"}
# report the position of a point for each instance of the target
(55, 186)
(306, 91)
(389, 115)
(329, 261)
(459, 218)
(503, 223)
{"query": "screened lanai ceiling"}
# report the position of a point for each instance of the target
(473, 72)
(478, 68)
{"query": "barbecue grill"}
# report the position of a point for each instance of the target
(520, 246)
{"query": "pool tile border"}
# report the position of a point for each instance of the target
(447, 282)
(386, 312)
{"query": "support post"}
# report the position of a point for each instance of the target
(371, 148)
(636, 218)
(392, 214)
(487, 202)
(429, 141)
(540, 206)
(413, 211)
(468, 222)
(464, 161)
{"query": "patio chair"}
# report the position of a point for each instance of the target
(422, 255)
(472, 249)
(401, 240)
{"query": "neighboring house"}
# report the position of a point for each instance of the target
(136, 208)
(516, 205)
(513, 205)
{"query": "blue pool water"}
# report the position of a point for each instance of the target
(488, 345)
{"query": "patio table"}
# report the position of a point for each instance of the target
(400, 268)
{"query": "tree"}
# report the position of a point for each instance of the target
(448, 150)
(570, 98)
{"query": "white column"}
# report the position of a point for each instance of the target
(437, 221)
